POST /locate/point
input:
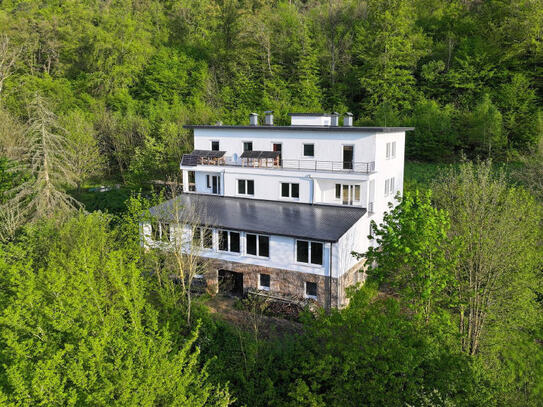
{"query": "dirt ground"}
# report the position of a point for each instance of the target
(268, 327)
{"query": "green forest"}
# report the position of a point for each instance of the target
(96, 93)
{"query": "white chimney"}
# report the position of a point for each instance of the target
(335, 119)
(253, 119)
(348, 119)
(268, 121)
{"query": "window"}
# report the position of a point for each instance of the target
(160, 231)
(391, 150)
(258, 245)
(316, 253)
(289, 190)
(389, 187)
(247, 146)
(309, 252)
(203, 237)
(349, 194)
(246, 187)
(208, 180)
(309, 150)
(310, 289)
(214, 146)
(228, 241)
(264, 282)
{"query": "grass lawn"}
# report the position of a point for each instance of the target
(421, 174)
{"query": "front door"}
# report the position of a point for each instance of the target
(216, 184)
(348, 157)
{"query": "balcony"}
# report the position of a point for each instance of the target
(272, 160)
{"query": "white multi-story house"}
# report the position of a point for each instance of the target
(284, 206)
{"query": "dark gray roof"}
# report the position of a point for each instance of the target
(304, 221)
(303, 128)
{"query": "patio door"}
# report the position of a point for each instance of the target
(216, 184)
(350, 194)
(278, 147)
(348, 157)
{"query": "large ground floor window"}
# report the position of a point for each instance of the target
(309, 252)
(258, 245)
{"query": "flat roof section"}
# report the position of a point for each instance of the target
(303, 128)
(298, 220)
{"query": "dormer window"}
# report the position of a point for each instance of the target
(309, 150)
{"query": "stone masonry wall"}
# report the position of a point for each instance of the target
(286, 284)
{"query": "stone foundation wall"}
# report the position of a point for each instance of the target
(286, 283)
(353, 276)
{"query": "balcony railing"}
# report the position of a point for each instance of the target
(307, 165)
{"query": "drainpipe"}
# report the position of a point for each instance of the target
(312, 190)
(330, 280)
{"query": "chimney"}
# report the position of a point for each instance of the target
(253, 119)
(335, 119)
(348, 120)
(268, 121)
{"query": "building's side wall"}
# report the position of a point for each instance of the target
(356, 239)
(388, 168)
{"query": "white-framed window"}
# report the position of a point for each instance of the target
(309, 150)
(310, 290)
(247, 146)
(203, 237)
(309, 252)
(160, 231)
(215, 145)
(229, 241)
(389, 186)
(246, 187)
(257, 245)
(290, 190)
(264, 282)
(348, 194)
(391, 150)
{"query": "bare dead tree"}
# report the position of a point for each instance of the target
(48, 161)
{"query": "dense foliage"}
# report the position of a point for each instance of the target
(80, 325)
(94, 91)
(124, 76)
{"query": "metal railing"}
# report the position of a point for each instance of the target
(317, 165)
(308, 165)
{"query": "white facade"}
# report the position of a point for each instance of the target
(319, 163)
